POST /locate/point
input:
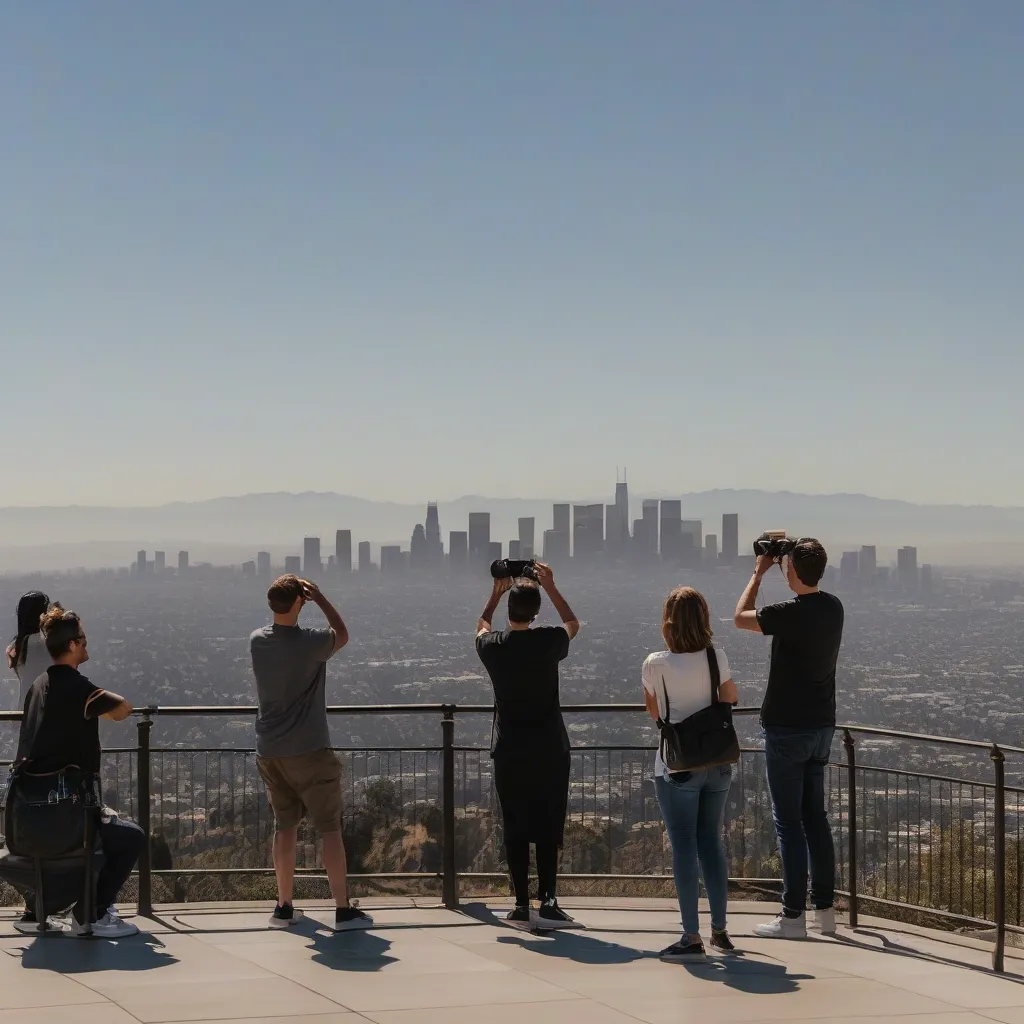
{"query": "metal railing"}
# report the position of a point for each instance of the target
(921, 841)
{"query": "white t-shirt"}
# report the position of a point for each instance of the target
(686, 678)
(37, 661)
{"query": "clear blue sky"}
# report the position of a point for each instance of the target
(415, 250)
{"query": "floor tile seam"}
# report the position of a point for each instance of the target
(305, 988)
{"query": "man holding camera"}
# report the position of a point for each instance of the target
(293, 742)
(530, 745)
(798, 716)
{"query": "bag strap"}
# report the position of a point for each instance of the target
(716, 675)
(664, 689)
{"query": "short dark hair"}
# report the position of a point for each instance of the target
(523, 601)
(809, 561)
(59, 628)
(283, 592)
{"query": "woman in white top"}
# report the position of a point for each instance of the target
(27, 656)
(692, 803)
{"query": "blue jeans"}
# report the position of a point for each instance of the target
(796, 761)
(693, 806)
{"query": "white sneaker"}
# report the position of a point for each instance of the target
(783, 928)
(106, 927)
(824, 921)
(53, 924)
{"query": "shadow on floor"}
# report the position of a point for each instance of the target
(755, 977)
(567, 944)
(68, 955)
(890, 948)
(359, 952)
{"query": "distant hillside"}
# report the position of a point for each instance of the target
(226, 528)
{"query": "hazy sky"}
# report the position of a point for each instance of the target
(415, 250)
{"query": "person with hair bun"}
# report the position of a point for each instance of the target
(27, 656)
(60, 728)
(677, 681)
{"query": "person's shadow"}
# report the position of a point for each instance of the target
(356, 951)
(755, 977)
(84, 956)
(565, 943)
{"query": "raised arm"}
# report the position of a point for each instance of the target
(311, 592)
(483, 624)
(745, 617)
(546, 578)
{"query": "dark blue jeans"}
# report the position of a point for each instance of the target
(796, 780)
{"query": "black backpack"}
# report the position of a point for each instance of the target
(705, 739)
(45, 815)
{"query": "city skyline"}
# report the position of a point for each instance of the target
(583, 535)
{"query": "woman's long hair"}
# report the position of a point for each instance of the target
(31, 608)
(686, 621)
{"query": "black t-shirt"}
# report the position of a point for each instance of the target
(523, 666)
(806, 633)
(61, 724)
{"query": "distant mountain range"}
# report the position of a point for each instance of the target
(232, 528)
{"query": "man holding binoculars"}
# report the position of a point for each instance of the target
(530, 746)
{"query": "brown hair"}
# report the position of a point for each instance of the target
(523, 601)
(809, 561)
(59, 628)
(686, 621)
(283, 592)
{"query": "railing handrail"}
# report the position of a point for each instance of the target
(228, 710)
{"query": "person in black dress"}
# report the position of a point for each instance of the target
(530, 746)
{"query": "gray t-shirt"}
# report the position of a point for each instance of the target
(290, 665)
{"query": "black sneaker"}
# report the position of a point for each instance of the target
(285, 916)
(519, 917)
(551, 915)
(720, 940)
(684, 952)
(351, 919)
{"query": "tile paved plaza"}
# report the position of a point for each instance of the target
(424, 964)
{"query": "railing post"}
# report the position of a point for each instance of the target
(145, 726)
(999, 818)
(851, 819)
(449, 884)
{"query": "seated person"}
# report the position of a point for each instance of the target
(61, 728)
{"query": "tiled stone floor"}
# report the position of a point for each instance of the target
(423, 964)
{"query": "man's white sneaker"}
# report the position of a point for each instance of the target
(783, 928)
(824, 921)
(106, 927)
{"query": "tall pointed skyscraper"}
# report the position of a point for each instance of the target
(435, 547)
(622, 524)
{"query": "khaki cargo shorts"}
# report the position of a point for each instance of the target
(304, 784)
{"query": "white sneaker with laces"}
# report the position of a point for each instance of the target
(824, 921)
(106, 927)
(783, 928)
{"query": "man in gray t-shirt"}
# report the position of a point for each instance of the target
(293, 743)
(290, 665)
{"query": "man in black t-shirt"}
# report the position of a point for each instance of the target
(530, 746)
(798, 715)
(60, 728)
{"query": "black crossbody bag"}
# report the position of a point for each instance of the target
(704, 739)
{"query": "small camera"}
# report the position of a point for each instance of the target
(774, 543)
(516, 568)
